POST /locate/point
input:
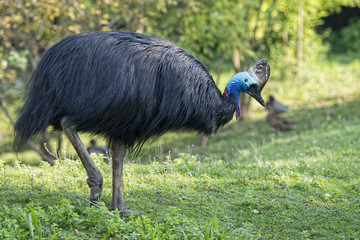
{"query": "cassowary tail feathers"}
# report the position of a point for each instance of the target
(35, 117)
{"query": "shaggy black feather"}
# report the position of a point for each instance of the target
(126, 86)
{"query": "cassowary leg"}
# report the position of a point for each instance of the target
(118, 152)
(95, 179)
(203, 139)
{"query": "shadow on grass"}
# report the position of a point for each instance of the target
(327, 121)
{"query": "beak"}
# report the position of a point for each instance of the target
(256, 93)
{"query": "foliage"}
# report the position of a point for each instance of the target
(347, 40)
(12, 63)
(208, 28)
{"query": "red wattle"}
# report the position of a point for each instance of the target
(225, 94)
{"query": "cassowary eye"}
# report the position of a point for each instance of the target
(246, 80)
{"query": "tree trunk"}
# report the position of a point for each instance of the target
(59, 146)
(300, 34)
(220, 67)
(45, 140)
(236, 60)
(245, 101)
(44, 155)
(244, 98)
(253, 39)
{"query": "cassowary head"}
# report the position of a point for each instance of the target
(250, 82)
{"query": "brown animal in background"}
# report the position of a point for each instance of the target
(274, 119)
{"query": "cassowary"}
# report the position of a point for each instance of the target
(274, 119)
(127, 87)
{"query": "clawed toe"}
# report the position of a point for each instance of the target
(95, 193)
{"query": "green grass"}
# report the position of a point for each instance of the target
(249, 182)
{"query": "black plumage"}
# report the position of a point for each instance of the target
(127, 87)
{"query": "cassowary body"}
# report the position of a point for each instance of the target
(128, 87)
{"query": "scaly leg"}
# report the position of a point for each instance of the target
(95, 180)
(118, 152)
(203, 139)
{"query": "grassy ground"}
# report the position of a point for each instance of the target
(249, 182)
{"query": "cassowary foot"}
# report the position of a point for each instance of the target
(95, 193)
(96, 186)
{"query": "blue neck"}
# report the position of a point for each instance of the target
(234, 87)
